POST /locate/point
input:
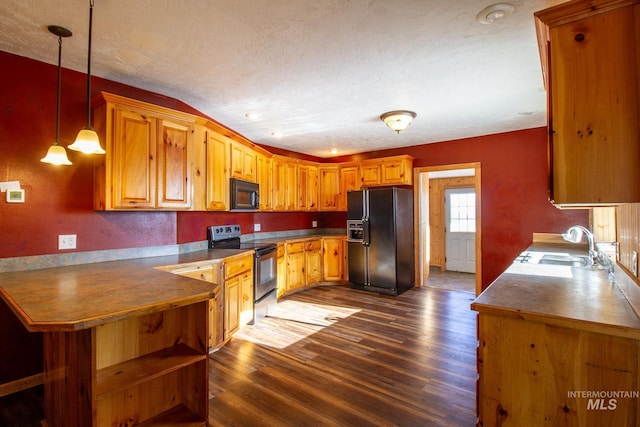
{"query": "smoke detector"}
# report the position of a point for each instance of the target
(495, 13)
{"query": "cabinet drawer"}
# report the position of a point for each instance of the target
(295, 247)
(313, 245)
(237, 266)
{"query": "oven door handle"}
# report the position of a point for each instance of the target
(265, 251)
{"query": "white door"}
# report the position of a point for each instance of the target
(460, 232)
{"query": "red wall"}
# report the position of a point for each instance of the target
(59, 199)
(514, 190)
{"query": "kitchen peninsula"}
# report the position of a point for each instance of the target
(124, 342)
(554, 342)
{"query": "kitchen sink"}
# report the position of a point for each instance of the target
(567, 260)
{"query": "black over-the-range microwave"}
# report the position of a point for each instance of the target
(245, 195)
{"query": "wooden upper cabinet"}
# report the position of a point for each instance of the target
(349, 180)
(285, 183)
(307, 187)
(243, 162)
(279, 183)
(370, 173)
(264, 174)
(174, 164)
(148, 157)
(590, 54)
(217, 170)
(133, 161)
(313, 188)
(329, 187)
(157, 158)
(303, 188)
(395, 170)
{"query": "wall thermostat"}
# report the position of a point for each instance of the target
(15, 196)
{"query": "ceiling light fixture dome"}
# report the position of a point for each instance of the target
(495, 12)
(398, 120)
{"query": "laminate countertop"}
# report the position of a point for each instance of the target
(82, 296)
(575, 297)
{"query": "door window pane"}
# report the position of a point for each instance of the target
(462, 212)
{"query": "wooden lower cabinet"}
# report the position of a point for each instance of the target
(146, 370)
(334, 259)
(238, 293)
(538, 374)
(303, 263)
(295, 266)
(232, 306)
(313, 261)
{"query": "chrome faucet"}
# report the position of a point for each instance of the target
(574, 235)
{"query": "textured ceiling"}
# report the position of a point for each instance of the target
(319, 71)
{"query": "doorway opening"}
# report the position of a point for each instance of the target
(431, 186)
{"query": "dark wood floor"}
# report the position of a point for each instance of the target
(333, 356)
(451, 280)
(337, 356)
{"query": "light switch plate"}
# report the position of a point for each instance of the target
(66, 241)
(256, 227)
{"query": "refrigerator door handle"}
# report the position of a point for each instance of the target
(365, 231)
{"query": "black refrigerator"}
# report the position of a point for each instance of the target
(380, 239)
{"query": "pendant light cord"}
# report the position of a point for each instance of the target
(59, 83)
(89, 66)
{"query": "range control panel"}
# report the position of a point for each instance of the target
(223, 232)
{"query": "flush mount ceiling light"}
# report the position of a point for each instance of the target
(398, 120)
(87, 140)
(494, 13)
(252, 116)
(57, 155)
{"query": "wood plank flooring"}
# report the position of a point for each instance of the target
(334, 356)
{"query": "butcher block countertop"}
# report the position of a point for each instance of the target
(573, 297)
(82, 296)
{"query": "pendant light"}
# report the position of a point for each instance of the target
(57, 155)
(87, 140)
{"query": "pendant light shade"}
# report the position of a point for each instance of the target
(398, 120)
(57, 155)
(87, 140)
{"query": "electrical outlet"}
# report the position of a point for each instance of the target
(314, 224)
(66, 241)
(256, 227)
(634, 263)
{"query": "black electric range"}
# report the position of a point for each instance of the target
(264, 265)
